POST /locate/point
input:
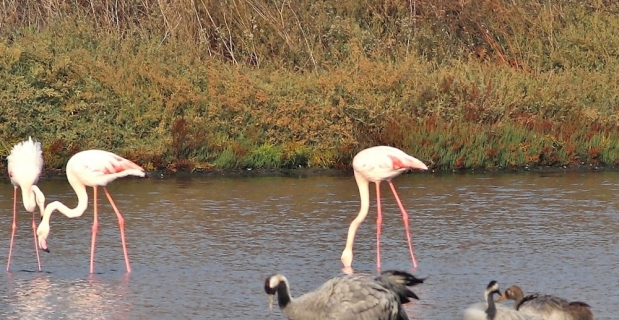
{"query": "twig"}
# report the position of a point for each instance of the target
(309, 49)
(230, 47)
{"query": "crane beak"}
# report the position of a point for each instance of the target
(412, 295)
(46, 250)
(501, 298)
(271, 302)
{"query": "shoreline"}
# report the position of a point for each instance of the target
(313, 172)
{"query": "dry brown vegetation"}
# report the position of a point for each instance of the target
(198, 85)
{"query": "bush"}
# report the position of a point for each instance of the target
(261, 84)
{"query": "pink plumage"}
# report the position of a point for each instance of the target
(98, 168)
(91, 168)
(383, 163)
(377, 164)
(25, 163)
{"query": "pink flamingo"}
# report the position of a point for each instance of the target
(25, 164)
(92, 168)
(377, 164)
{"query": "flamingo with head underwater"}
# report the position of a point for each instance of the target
(25, 163)
(91, 168)
(378, 164)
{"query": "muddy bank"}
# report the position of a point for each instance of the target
(312, 172)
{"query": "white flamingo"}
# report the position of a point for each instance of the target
(25, 164)
(378, 164)
(91, 168)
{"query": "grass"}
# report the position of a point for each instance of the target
(260, 84)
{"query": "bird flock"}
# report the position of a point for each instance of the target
(348, 296)
(532, 307)
(90, 168)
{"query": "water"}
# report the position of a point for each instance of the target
(201, 248)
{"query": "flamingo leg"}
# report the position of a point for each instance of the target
(95, 227)
(36, 246)
(14, 227)
(121, 225)
(405, 218)
(379, 221)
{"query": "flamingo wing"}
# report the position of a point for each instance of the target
(382, 163)
(25, 163)
(98, 167)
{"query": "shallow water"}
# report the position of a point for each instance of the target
(202, 247)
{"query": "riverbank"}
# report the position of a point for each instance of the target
(306, 172)
(481, 86)
(314, 172)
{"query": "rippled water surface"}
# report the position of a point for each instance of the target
(201, 248)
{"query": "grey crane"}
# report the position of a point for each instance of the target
(546, 306)
(348, 297)
(489, 311)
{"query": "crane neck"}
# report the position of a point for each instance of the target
(519, 298)
(283, 294)
(491, 310)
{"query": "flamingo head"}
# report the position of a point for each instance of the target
(42, 233)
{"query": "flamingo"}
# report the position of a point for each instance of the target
(378, 164)
(25, 164)
(92, 168)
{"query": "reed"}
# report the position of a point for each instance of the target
(266, 84)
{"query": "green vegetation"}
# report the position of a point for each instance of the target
(200, 85)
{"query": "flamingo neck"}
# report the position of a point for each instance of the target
(28, 198)
(364, 196)
(39, 198)
(82, 204)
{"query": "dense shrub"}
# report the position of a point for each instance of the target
(199, 85)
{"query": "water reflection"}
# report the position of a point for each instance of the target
(202, 247)
(44, 296)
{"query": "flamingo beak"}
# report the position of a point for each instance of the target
(43, 245)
